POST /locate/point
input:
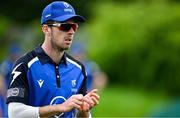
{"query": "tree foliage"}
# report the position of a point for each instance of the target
(138, 44)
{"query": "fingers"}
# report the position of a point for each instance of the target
(92, 95)
(77, 97)
(85, 107)
(91, 99)
(94, 91)
(88, 100)
(76, 105)
(95, 95)
(96, 101)
(75, 101)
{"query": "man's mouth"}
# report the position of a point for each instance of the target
(68, 39)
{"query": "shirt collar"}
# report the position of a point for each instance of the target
(44, 58)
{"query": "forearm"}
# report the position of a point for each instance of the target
(50, 110)
(20, 110)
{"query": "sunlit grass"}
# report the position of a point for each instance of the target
(123, 102)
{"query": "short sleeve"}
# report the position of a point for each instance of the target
(18, 85)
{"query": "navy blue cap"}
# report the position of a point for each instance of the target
(60, 11)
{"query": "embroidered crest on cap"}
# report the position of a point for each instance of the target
(66, 4)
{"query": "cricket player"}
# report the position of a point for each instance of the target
(47, 82)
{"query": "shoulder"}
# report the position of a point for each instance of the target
(25, 59)
(74, 61)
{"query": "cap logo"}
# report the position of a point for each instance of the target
(66, 4)
(48, 15)
(68, 10)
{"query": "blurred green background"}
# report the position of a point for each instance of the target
(135, 42)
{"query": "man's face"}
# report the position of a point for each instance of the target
(61, 37)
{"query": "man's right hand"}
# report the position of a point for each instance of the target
(75, 101)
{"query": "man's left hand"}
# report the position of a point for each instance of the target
(91, 99)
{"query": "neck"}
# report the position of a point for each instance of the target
(54, 54)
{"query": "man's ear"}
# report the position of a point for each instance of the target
(46, 29)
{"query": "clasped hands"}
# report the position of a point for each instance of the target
(80, 102)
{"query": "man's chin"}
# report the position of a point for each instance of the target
(66, 48)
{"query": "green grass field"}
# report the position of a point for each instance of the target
(127, 102)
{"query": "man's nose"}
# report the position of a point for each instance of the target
(71, 31)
